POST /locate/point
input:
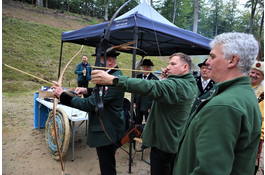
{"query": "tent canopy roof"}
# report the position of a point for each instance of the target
(156, 35)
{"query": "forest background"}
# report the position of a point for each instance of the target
(212, 17)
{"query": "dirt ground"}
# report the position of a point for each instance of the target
(24, 149)
(52, 18)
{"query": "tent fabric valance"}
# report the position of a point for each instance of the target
(157, 38)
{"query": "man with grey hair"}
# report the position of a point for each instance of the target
(173, 98)
(222, 135)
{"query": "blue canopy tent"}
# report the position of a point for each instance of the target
(155, 35)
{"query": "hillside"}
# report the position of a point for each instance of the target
(31, 42)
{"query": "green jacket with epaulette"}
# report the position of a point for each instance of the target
(173, 98)
(113, 115)
(224, 133)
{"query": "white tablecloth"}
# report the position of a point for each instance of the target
(72, 113)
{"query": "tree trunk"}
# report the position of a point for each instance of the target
(253, 9)
(46, 3)
(106, 10)
(196, 11)
(39, 3)
(151, 3)
(261, 26)
(68, 6)
(216, 19)
(175, 9)
(94, 12)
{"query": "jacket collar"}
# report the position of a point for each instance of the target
(112, 70)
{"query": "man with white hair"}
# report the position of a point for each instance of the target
(223, 134)
(256, 77)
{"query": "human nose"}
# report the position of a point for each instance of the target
(208, 61)
(252, 74)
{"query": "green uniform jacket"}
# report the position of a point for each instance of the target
(113, 116)
(224, 134)
(202, 94)
(146, 102)
(173, 98)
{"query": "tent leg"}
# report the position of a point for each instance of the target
(135, 31)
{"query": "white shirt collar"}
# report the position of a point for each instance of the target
(146, 76)
(204, 85)
(108, 70)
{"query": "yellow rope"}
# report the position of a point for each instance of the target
(28, 74)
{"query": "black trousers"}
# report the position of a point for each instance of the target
(83, 83)
(106, 157)
(162, 163)
(139, 116)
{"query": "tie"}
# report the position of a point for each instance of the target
(204, 84)
(144, 76)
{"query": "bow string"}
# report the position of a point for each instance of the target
(55, 102)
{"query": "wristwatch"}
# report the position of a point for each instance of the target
(115, 81)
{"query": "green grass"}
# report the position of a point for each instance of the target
(35, 49)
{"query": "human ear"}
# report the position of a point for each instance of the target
(186, 66)
(233, 61)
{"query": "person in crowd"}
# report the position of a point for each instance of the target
(172, 100)
(256, 77)
(113, 116)
(223, 134)
(195, 74)
(205, 85)
(83, 70)
(143, 104)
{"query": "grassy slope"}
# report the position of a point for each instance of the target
(35, 49)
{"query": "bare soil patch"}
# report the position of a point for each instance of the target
(24, 149)
(54, 18)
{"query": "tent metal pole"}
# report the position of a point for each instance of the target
(61, 52)
(135, 31)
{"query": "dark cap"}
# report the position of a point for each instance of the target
(203, 63)
(112, 53)
(147, 62)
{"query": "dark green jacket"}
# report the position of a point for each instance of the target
(145, 103)
(202, 94)
(173, 98)
(224, 134)
(113, 115)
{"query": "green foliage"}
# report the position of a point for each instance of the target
(93, 22)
